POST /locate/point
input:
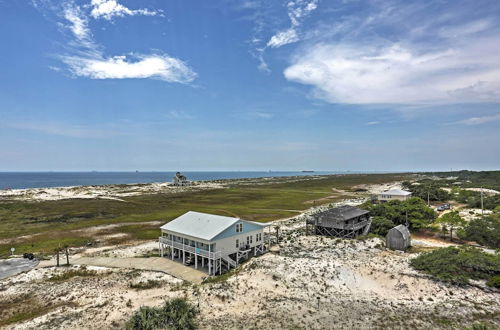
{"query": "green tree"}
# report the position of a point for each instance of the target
(381, 225)
(430, 190)
(414, 210)
(484, 231)
(451, 220)
(175, 314)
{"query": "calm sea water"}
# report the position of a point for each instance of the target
(19, 180)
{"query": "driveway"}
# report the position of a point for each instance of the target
(154, 263)
(9, 267)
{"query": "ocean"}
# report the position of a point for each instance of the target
(21, 180)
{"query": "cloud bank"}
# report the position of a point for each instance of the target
(351, 73)
(480, 120)
(397, 53)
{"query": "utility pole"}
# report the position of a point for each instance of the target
(482, 204)
(428, 198)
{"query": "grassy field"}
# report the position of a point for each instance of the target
(43, 226)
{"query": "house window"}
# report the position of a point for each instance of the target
(248, 240)
(239, 227)
(237, 243)
(251, 238)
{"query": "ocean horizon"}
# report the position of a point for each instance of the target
(25, 180)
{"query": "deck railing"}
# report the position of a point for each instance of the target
(342, 225)
(191, 249)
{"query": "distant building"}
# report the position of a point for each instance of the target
(344, 221)
(394, 194)
(181, 180)
(211, 242)
(398, 238)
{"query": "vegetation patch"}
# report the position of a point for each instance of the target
(149, 284)
(175, 314)
(393, 213)
(68, 274)
(223, 277)
(484, 231)
(25, 307)
(494, 281)
(458, 264)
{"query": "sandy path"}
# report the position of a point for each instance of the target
(156, 264)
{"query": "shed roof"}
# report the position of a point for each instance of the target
(341, 213)
(396, 192)
(403, 230)
(202, 225)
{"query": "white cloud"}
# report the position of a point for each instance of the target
(162, 67)
(86, 58)
(108, 9)
(264, 115)
(174, 114)
(297, 11)
(480, 120)
(395, 52)
(371, 123)
(67, 129)
(352, 72)
(282, 38)
(78, 24)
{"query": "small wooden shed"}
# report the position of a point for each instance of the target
(398, 238)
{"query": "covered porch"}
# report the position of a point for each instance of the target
(189, 252)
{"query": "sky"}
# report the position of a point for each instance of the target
(121, 85)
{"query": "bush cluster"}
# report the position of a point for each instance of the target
(484, 231)
(393, 213)
(459, 264)
(175, 314)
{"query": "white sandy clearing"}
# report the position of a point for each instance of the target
(375, 189)
(358, 283)
(486, 191)
(113, 192)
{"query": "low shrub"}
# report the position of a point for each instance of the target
(494, 281)
(149, 284)
(176, 314)
(458, 264)
(82, 272)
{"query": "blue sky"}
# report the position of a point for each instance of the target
(249, 85)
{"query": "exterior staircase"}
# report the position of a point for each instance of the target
(229, 261)
(367, 228)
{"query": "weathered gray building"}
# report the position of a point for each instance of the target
(181, 180)
(398, 238)
(344, 221)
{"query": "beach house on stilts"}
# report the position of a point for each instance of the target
(344, 221)
(210, 242)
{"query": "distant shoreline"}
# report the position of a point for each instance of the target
(29, 180)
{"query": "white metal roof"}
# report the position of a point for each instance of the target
(396, 192)
(201, 225)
